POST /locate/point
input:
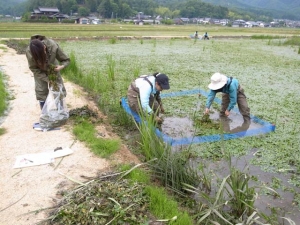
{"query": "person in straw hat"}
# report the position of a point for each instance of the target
(232, 93)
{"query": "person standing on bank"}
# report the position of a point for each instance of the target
(144, 94)
(232, 93)
(196, 35)
(41, 53)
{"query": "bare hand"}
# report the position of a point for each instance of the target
(206, 111)
(227, 112)
(162, 110)
(58, 68)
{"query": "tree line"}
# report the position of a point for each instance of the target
(129, 8)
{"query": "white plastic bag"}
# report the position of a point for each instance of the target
(54, 111)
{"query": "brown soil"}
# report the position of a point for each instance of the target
(30, 189)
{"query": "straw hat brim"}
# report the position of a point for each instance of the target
(218, 85)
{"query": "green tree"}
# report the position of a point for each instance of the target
(91, 5)
(26, 16)
(175, 13)
(125, 11)
(163, 12)
(107, 8)
(146, 6)
(66, 6)
(83, 11)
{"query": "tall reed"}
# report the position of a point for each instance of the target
(111, 64)
(171, 168)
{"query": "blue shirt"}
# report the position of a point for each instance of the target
(231, 89)
(146, 91)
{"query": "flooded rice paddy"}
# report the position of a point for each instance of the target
(267, 70)
(267, 202)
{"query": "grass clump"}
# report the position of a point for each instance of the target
(85, 131)
(111, 64)
(266, 37)
(137, 175)
(172, 169)
(19, 45)
(163, 206)
(2, 131)
(3, 95)
(85, 121)
(112, 40)
(293, 41)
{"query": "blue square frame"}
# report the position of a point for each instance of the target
(266, 127)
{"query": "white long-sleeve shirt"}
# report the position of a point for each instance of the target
(146, 91)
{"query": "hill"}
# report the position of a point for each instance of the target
(281, 9)
(285, 9)
(12, 7)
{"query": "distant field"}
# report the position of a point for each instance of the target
(25, 30)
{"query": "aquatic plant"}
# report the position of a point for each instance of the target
(53, 77)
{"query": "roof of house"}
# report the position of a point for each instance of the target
(48, 9)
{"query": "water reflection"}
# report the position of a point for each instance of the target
(226, 126)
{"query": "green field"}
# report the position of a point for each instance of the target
(25, 30)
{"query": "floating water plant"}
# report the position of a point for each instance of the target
(205, 124)
(53, 77)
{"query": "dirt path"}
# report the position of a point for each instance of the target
(33, 188)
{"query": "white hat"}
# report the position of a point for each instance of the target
(218, 80)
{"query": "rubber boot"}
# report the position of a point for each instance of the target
(42, 103)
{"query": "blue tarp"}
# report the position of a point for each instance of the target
(266, 127)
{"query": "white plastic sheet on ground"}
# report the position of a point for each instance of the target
(40, 158)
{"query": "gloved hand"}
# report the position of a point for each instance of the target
(162, 110)
(158, 120)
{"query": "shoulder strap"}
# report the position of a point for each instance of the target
(146, 78)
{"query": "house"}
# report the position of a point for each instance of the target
(275, 24)
(59, 16)
(141, 19)
(215, 21)
(224, 22)
(49, 12)
(261, 24)
(185, 20)
(206, 21)
(128, 20)
(239, 23)
(251, 24)
(178, 21)
(82, 20)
